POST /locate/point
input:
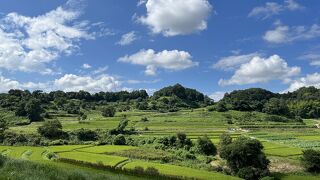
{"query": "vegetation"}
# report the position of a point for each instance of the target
(249, 133)
(311, 160)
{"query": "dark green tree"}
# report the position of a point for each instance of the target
(246, 155)
(108, 111)
(51, 129)
(33, 110)
(205, 146)
(311, 160)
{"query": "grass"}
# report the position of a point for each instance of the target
(67, 148)
(106, 149)
(106, 160)
(173, 170)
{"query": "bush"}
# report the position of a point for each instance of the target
(52, 130)
(86, 135)
(138, 170)
(248, 173)
(205, 146)
(119, 140)
(311, 160)
(108, 111)
(144, 119)
(151, 171)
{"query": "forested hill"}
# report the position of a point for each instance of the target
(304, 102)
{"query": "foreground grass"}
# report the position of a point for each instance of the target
(27, 170)
(180, 171)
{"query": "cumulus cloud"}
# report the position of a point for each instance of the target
(176, 17)
(171, 60)
(285, 34)
(261, 70)
(127, 38)
(7, 84)
(217, 96)
(29, 44)
(273, 8)
(309, 80)
(68, 82)
(71, 82)
(234, 61)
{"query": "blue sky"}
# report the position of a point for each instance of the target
(213, 46)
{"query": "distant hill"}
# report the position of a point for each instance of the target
(183, 97)
(304, 102)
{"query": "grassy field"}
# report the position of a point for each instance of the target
(178, 171)
(280, 140)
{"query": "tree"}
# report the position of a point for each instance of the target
(276, 106)
(108, 111)
(205, 146)
(119, 140)
(51, 129)
(311, 160)
(246, 155)
(86, 135)
(33, 110)
(3, 125)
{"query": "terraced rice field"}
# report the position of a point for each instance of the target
(173, 170)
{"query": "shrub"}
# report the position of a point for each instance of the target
(205, 146)
(108, 111)
(151, 171)
(248, 173)
(86, 135)
(144, 119)
(119, 140)
(52, 130)
(311, 160)
(138, 170)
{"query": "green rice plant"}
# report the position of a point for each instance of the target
(105, 160)
(106, 149)
(184, 172)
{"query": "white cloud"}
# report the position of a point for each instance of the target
(217, 96)
(100, 70)
(273, 8)
(7, 84)
(68, 82)
(261, 70)
(71, 82)
(232, 62)
(29, 44)
(313, 57)
(133, 81)
(176, 17)
(171, 60)
(127, 39)
(141, 2)
(292, 5)
(86, 66)
(309, 80)
(285, 34)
